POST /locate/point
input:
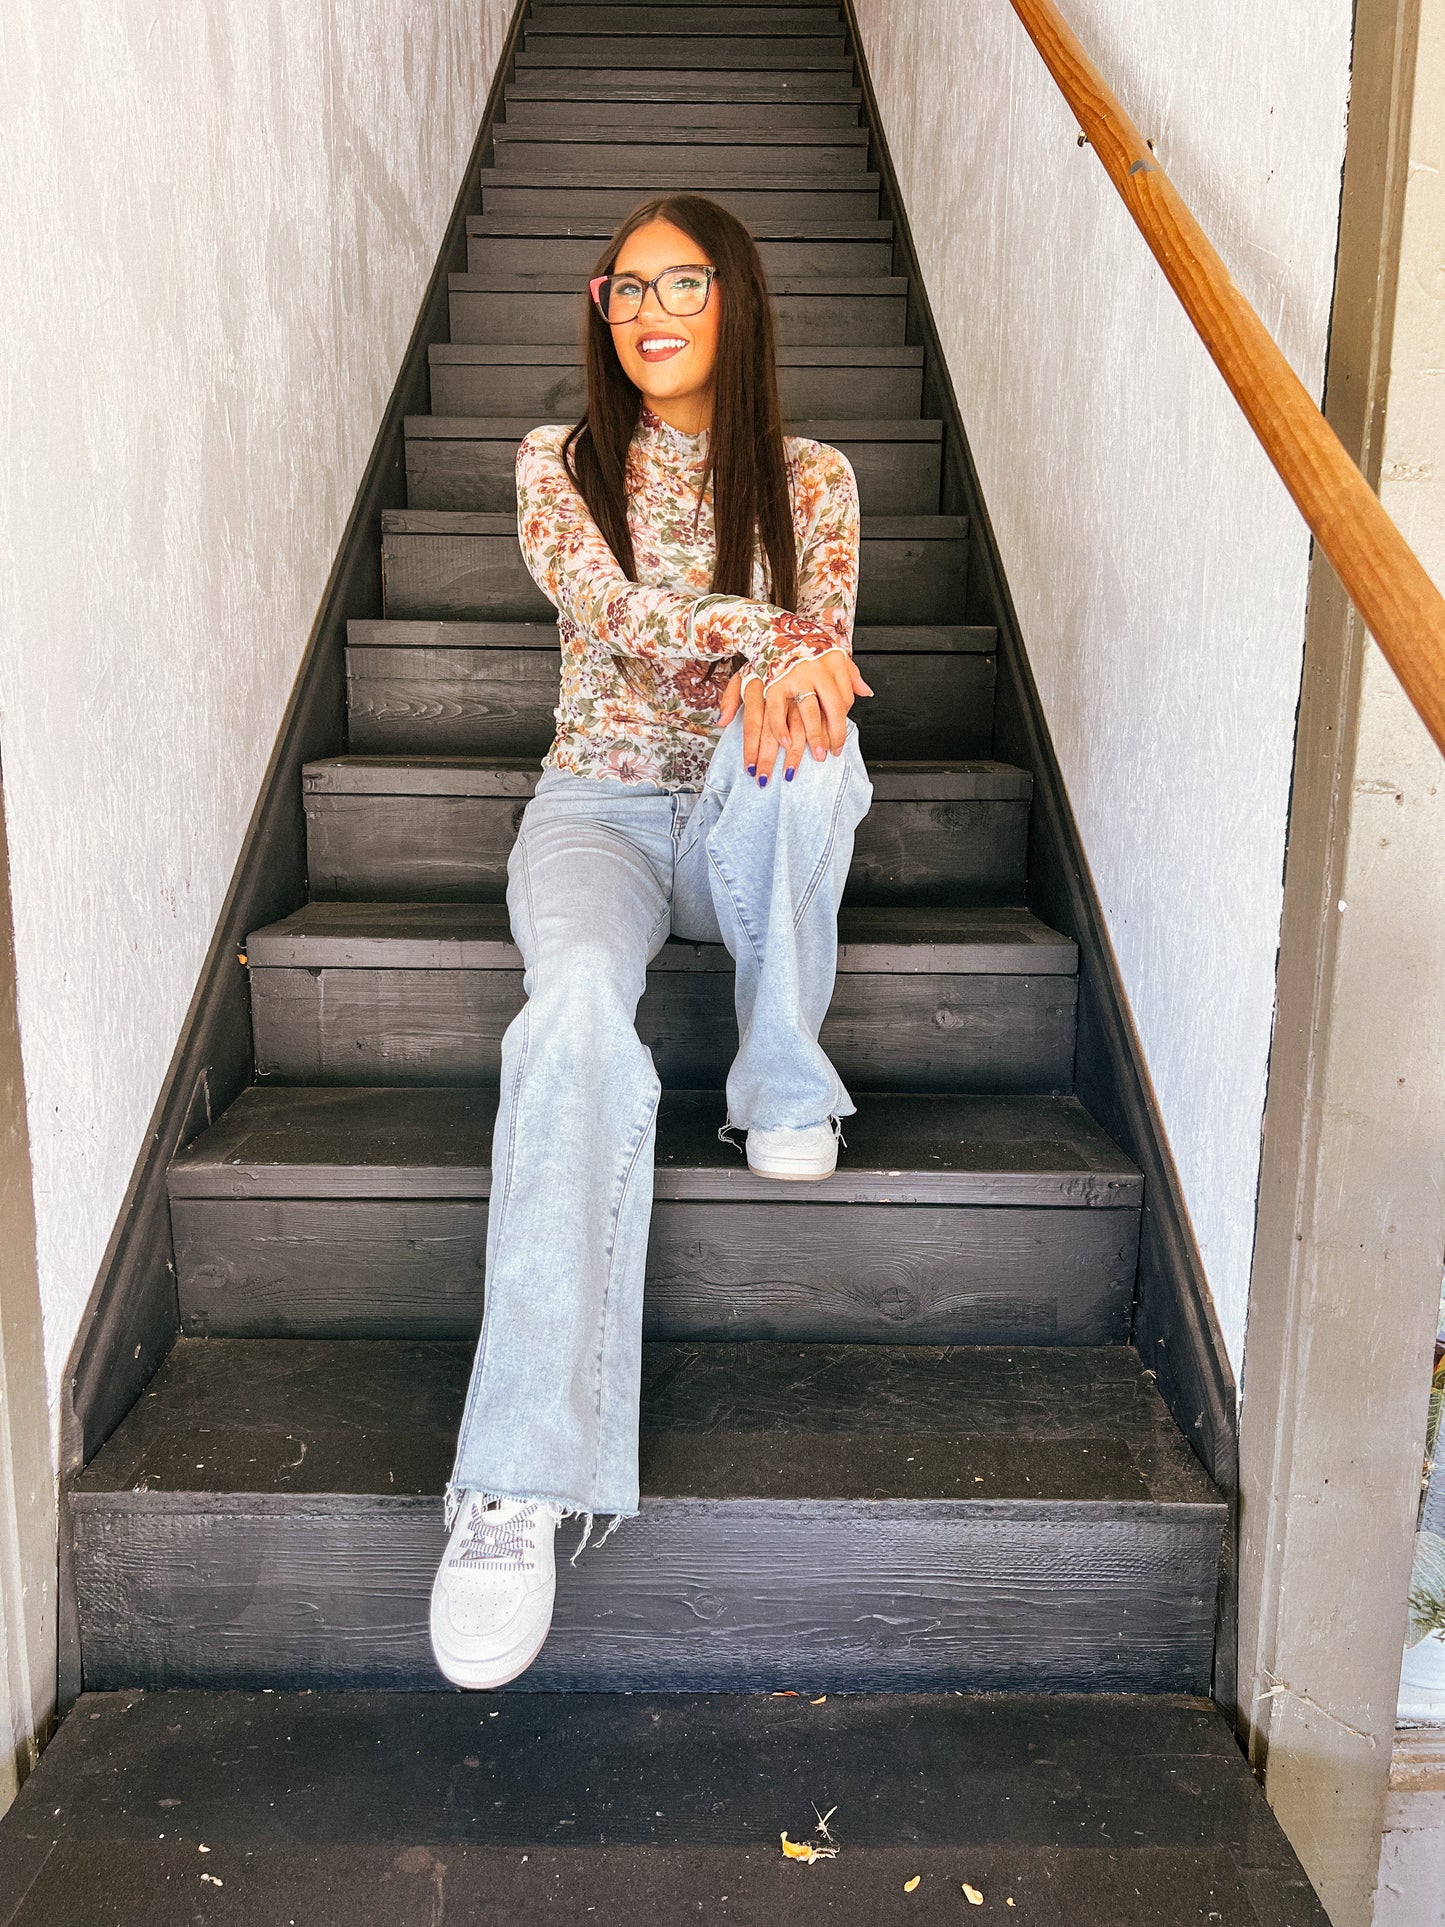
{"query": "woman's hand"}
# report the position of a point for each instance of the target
(807, 708)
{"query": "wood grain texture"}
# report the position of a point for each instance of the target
(458, 566)
(503, 245)
(552, 1800)
(706, 162)
(433, 847)
(926, 1033)
(453, 700)
(1081, 1545)
(500, 315)
(389, 1142)
(1384, 578)
(703, 22)
(393, 1267)
(676, 84)
(960, 1595)
(466, 380)
(468, 471)
(706, 118)
(428, 936)
(787, 54)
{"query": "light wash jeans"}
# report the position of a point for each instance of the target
(601, 874)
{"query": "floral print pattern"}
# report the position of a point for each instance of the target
(645, 662)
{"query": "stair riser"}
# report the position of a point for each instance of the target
(817, 321)
(501, 702)
(886, 1274)
(682, 86)
(707, 164)
(883, 1032)
(578, 255)
(483, 578)
(894, 478)
(711, 1596)
(566, 201)
(706, 20)
(739, 116)
(557, 391)
(767, 53)
(455, 848)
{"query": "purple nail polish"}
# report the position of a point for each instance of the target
(752, 769)
(788, 775)
(762, 782)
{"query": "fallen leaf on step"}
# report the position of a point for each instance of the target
(784, 1696)
(909, 1885)
(973, 1896)
(804, 1850)
(819, 1700)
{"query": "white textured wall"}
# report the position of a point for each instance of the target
(218, 221)
(1158, 567)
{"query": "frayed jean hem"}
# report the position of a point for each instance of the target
(456, 1493)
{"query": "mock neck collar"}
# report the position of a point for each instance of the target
(669, 444)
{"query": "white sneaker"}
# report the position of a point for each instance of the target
(809, 1152)
(491, 1601)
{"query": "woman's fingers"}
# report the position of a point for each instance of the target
(797, 738)
(814, 723)
(732, 698)
(752, 725)
(860, 688)
(774, 731)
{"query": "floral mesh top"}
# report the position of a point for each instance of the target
(645, 663)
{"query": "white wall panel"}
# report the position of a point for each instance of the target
(218, 223)
(1158, 566)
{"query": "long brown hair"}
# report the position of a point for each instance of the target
(745, 459)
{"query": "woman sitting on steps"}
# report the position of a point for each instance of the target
(705, 782)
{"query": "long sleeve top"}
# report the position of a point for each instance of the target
(645, 662)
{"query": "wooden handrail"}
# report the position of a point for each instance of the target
(1381, 573)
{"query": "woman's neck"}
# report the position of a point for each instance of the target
(689, 414)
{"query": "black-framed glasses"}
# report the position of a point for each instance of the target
(680, 291)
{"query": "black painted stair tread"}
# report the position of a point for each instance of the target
(638, 82)
(794, 55)
(452, 936)
(955, 780)
(554, 117)
(531, 140)
(496, 428)
(469, 462)
(811, 238)
(964, 1425)
(282, 1141)
(550, 17)
(1085, 1811)
(706, 168)
(332, 1212)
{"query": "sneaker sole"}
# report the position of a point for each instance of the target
(459, 1670)
(791, 1172)
(463, 1671)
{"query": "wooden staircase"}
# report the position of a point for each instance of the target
(895, 1437)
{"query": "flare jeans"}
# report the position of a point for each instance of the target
(601, 874)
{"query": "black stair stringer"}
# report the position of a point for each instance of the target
(131, 1318)
(1176, 1330)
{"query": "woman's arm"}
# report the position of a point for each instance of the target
(571, 563)
(825, 494)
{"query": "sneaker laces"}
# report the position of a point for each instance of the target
(503, 1543)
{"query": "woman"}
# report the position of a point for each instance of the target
(705, 781)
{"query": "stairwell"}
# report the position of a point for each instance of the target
(897, 1445)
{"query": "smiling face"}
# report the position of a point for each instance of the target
(670, 359)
